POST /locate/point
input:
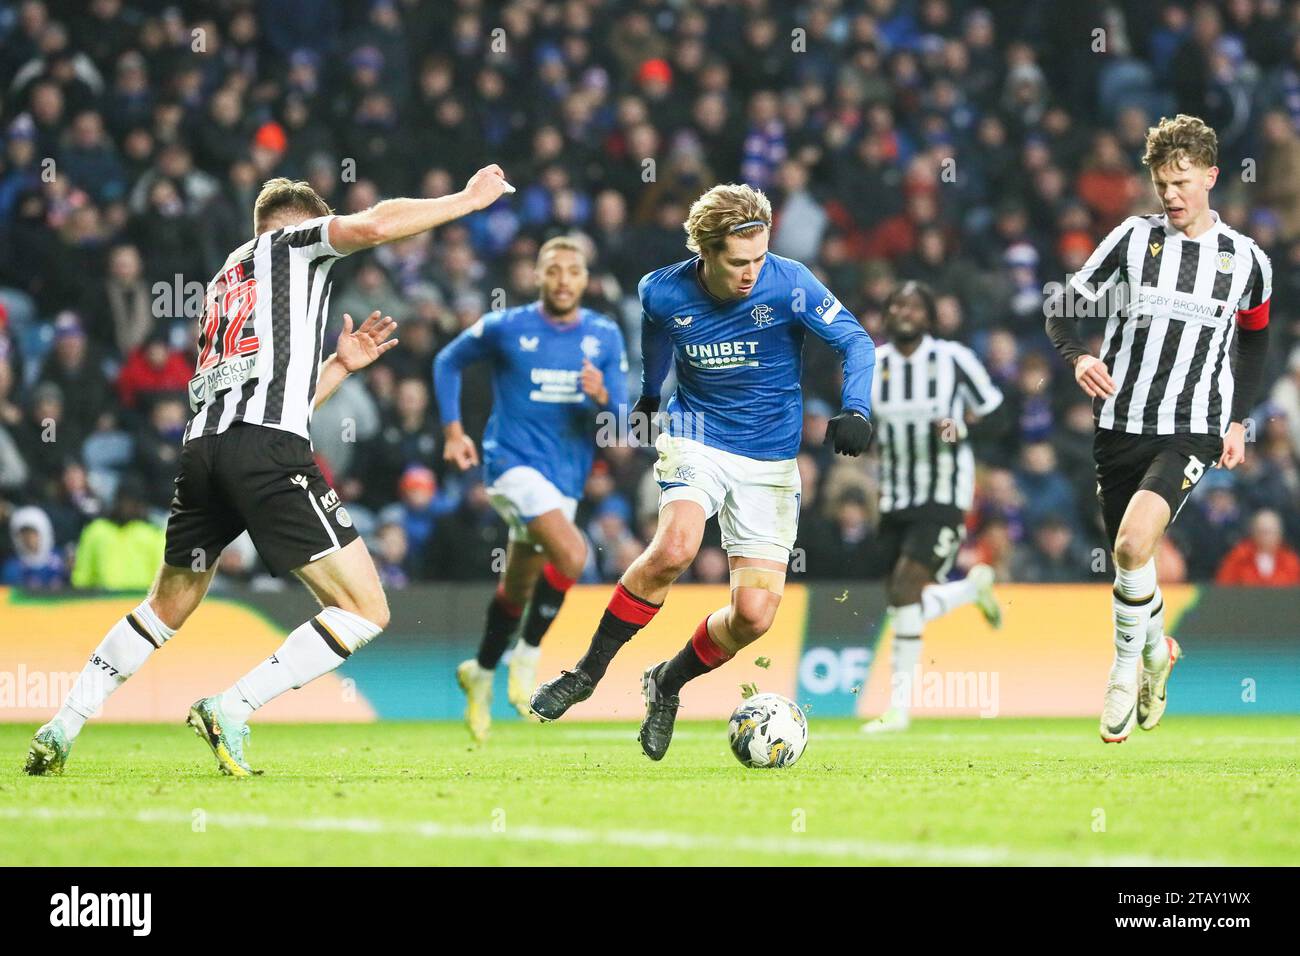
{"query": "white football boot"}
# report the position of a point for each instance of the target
(1152, 696)
(891, 721)
(523, 677)
(1119, 712)
(476, 682)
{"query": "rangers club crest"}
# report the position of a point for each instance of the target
(763, 316)
(590, 346)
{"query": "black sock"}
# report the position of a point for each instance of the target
(685, 666)
(625, 615)
(541, 611)
(611, 635)
(502, 618)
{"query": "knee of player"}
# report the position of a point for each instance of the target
(379, 614)
(673, 555)
(1131, 551)
(907, 581)
(570, 560)
(373, 607)
(899, 593)
(751, 615)
(904, 590)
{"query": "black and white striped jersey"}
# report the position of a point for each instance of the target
(260, 343)
(1176, 305)
(919, 404)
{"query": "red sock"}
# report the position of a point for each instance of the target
(697, 657)
(510, 608)
(548, 596)
(630, 609)
(711, 655)
(625, 615)
(555, 579)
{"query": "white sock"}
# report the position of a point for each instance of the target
(311, 649)
(119, 655)
(1131, 605)
(525, 651)
(938, 599)
(1156, 652)
(908, 621)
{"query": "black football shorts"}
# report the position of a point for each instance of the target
(929, 534)
(261, 479)
(1169, 465)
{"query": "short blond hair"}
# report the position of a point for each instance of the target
(726, 210)
(283, 195)
(1183, 137)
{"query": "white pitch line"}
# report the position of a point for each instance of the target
(848, 850)
(923, 736)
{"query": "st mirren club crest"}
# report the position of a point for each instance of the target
(1224, 263)
(763, 316)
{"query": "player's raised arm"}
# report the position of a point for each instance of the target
(472, 345)
(849, 431)
(395, 219)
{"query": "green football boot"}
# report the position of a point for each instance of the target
(48, 751)
(983, 576)
(227, 738)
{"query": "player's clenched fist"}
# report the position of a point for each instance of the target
(849, 433)
(593, 383)
(459, 448)
(1090, 372)
(1234, 446)
(486, 186)
(641, 418)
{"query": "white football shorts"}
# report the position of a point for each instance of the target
(521, 494)
(757, 502)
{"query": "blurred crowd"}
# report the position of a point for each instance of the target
(981, 149)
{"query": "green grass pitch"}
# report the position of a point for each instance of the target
(1200, 790)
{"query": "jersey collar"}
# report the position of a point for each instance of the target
(557, 326)
(923, 346)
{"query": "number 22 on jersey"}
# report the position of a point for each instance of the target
(227, 356)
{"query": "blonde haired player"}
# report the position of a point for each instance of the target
(733, 317)
(1180, 364)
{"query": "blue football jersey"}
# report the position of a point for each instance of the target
(540, 416)
(738, 361)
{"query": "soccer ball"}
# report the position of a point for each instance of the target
(768, 730)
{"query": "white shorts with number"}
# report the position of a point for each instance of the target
(521, 494)
(757, 502)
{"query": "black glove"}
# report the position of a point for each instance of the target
(849, 432)
(640, 418)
